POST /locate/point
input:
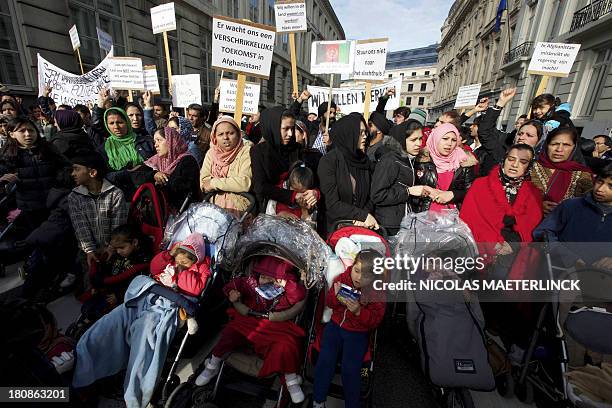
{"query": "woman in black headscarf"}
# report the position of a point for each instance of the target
(344, 174)
(271, 159)
(71, 138)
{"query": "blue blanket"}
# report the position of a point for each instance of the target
(134, 336)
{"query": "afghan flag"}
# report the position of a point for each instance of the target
(333, 53)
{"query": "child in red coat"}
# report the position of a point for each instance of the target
(357, 310)
(264, 303)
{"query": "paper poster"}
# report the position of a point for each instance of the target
(227, 97)
(105, 39)
(242, 47)
(126, 73)
(554, 59)
(74, 37)
(149, 76)
(290, 16)
(332, 57)
(163, 18)
(467, 96)
(370, 59)
(353, 99)
(186, 90)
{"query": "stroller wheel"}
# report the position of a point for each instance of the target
(524, 392)
(181, 397)
(505, 385)
(459, 398)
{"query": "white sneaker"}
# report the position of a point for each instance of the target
(208, 374)
(68, 281)
(295, 391)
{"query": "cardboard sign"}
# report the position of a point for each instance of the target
(149, 76)
(242, 47)
(105, 40)
(163, 18)
(126, 73)
(554, 59)
(467, 96)
(71, 89)
(290, 16)
(227, 96)
(186, 90)
(74, 37)
(353, 99)
(370, 59)
(332, 57)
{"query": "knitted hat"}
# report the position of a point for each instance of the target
(194, 244)
(381, 122)
(91, 159)
(68, 119)
(272, 266)
(419, 115)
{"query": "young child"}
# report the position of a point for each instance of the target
(97, 207)
(353, 318)
(300, 179)
(549, 110)
(265, 303)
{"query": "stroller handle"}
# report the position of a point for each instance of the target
(346, 223)
(252, 201)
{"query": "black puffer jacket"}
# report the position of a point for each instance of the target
(57, 230)
(462, 181)
(70, 141)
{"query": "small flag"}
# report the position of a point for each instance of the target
(333, 53)
(500, 10)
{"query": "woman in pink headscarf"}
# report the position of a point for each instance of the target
(227, 165)
(172, 168)
(442, 170)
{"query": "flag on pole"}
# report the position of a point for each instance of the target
(333, 53)
(500, 11)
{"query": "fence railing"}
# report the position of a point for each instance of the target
(590, 13)
(522, 50)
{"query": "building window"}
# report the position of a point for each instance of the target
(410, 87)
(285, 42)
(271, 14)
(414, 74)
(421, 100)
(408, 100)
(596, 84)
(11, 69)
(426, 72)
(271, 83)
(424, 87)
(208, 77)
(232, 8)
(254, 10)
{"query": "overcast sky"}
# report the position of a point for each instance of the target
(407, 23)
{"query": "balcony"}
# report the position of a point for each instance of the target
(590, 13)
(523, 50)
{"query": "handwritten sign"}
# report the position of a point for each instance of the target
(126, 73)
(186, 90)
(353, 99)
(105, 40)
(290, 16)
(554, 59)
(149, 76)
(163, 18)
(370, 59)
(332, 57)
(227, 97)
(467, 96)
(74, 37)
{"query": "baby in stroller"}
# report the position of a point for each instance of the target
(265, 303)
(136, 335)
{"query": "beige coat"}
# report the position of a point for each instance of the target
(238, 179)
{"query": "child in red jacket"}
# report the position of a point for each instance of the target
(265, 303)
(357, 310)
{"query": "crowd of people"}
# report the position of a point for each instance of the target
(75, 169)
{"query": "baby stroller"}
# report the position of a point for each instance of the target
(286, 239)
(447, 326)
(7, 196)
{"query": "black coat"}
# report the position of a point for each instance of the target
(70, 141)
(462, 180)
(56, 231)
(493, 142)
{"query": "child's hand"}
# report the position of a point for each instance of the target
(353, 306)
(233, 296)
(167, 276)
(337, 286)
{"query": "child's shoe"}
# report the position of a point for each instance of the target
(293, 382)
(210, 371)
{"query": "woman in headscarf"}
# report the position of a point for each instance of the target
(136, 116)
(556, 173)
(271, 159)
(442, 170)
(345, 173)
(185, 129)
(227, 165)
(71, 137)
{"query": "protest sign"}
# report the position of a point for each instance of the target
(353, 99)
(467, 96)
(105, 40)
(71, 89)
(227, 96)
(149, 76)
(290, 16)
(74, 37)
(332, 57)
(242, 47)
(554, 59)
(370, 59)
(126, 73)
(186, 90)
(163, 18)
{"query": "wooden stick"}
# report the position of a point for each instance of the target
(221, 77)
(296, 92)
(329, 101)
(80, 62)
(168, 63)
(239, 98)
(130, 97)
(368, 98)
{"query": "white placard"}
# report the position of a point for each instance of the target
(467, 96)
(370, 59)
(105, 39)
(227, 97)
(554, 59)
(74, 37)
(163, 18)
(126, 73)
(71, 89)
(352, 99)
(242, 47)
(332, 57)
(186, 90)
(149, 76)
(290, 16)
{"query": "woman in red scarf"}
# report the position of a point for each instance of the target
(172, 168)
(227, 165)
(556, 174)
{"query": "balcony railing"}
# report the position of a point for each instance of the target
(522, 50)
(590, 13)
